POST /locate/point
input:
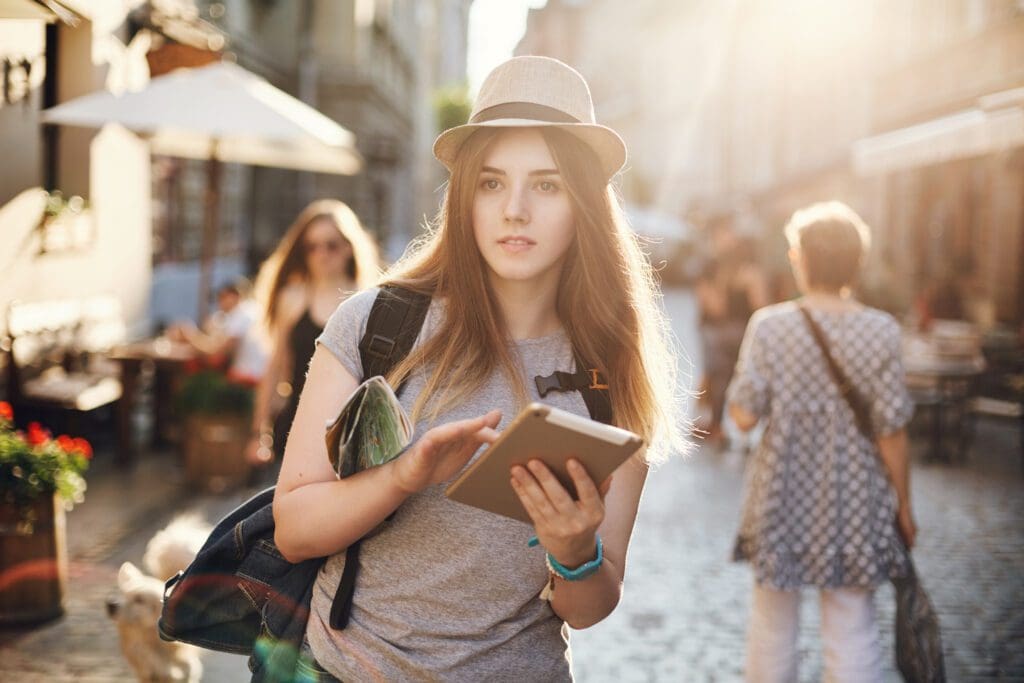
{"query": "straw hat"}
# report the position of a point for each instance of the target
(536, 91)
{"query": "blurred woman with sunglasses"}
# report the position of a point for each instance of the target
(325, 256)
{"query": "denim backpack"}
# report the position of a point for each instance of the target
(240, 595)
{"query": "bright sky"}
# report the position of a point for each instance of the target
(495, 26)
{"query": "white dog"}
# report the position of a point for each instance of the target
(141, 599)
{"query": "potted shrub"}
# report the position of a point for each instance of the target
(40, 479)
(217, 414)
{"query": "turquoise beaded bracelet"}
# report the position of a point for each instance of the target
(579, 573)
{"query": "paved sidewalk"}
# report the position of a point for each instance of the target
(684, 612)
(121, 512)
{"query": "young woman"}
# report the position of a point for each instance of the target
(323, 257)
(529, 264)
(825, 505)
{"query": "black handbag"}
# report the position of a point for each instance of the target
(918, 640)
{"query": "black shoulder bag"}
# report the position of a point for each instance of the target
(918, 639)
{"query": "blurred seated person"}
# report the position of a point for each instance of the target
(230, 338)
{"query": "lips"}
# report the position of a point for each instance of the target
(516, 244)
(517, 241)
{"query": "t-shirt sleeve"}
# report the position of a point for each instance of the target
(891, 405)
(750, 388)
(345, 328)
(237, 323)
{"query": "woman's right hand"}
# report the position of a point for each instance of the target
(440, 453)
(907, 527)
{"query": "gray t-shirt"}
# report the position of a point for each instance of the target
(445, 591)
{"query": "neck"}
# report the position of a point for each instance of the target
(817, 293)
(334, 283)
(528, 308)
(826, 298)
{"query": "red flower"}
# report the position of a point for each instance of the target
(6, 411)
(66, 443)
(83, 446)
(36, 434)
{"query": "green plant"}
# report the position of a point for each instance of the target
(209, 392)
(452, 106)
(33, 463)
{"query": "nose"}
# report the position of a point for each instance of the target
(516, 209)
(112, 606)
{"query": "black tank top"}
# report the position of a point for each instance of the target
(302, 342)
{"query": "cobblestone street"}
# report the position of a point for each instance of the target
(684, 611)
(683, 615)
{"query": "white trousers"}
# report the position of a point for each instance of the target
(849, 633)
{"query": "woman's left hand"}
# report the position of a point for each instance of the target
(566, 528)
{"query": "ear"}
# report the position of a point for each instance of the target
(127, 575)
(796, 262)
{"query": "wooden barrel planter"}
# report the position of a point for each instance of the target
(33, 561)
(215, 451)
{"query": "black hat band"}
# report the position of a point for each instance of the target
(523, 110)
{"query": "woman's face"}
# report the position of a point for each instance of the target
(522, 217)
(327, 251)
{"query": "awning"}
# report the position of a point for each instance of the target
(969, 133)
(38, 10)
(25, 9)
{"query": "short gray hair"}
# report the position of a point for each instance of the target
(833, 240)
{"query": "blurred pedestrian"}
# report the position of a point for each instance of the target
(730, 288)
(530, 269)
(226, 337)
(825, 506)
(324, 257)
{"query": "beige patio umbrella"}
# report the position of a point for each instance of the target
(220, 113)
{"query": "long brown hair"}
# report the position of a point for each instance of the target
(287, 264)
(607, 300)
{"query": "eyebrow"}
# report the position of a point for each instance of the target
(498, 171)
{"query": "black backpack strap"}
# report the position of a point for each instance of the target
(392, 327)
(594, 388)
(341, 608)
(591, 384)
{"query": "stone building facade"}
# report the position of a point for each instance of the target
(100, 246)
(744, 111)
(370, 65)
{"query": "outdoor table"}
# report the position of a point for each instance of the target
(168, 359)
(942, 384)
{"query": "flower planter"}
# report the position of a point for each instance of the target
(215, 450)
(33, 561)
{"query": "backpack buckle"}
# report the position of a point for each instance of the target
(380, 346)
